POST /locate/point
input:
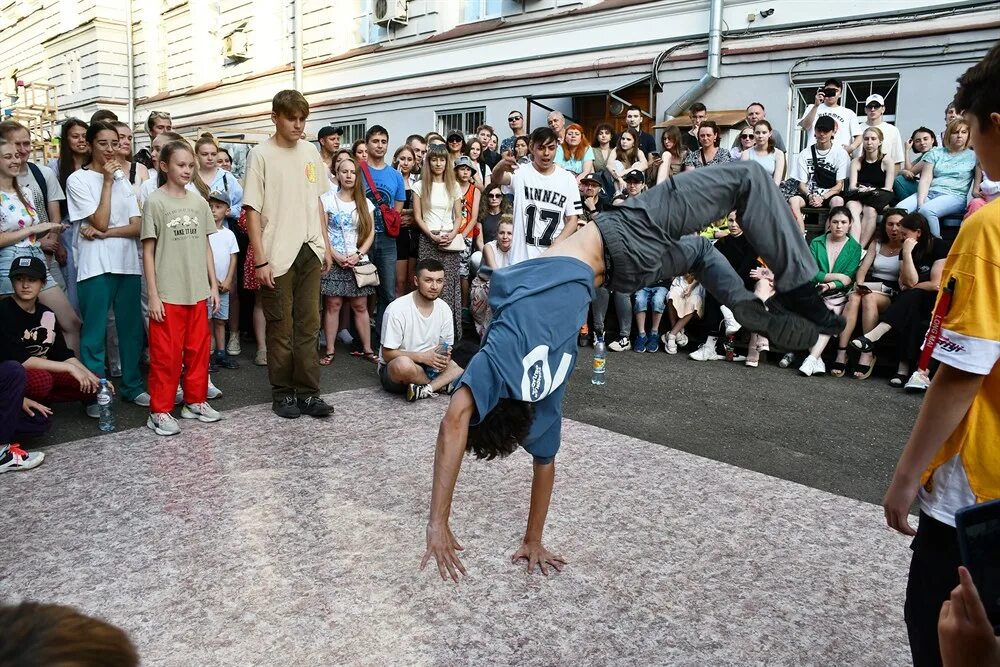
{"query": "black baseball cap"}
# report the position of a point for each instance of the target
(590, 177)
(635, 176)
(456, 134)
(826, 124)
(27, 266)
(329, 130)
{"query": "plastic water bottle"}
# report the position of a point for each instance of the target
(442, 348)
(600, 358)
(106, 406)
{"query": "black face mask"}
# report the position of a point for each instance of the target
(830, 92)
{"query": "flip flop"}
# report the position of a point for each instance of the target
(898, 380)
(839, 368)
(327, 359)
(863, 344)
(371, 356)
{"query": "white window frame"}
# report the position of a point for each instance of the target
(472, 117)
(855, 90)
(354, 129)
(480, 10)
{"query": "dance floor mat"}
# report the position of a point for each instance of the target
(261, 541)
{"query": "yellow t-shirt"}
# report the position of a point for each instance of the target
(967, 468)
(284, 185)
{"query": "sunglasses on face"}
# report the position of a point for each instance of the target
(874, 106)
(513, 118)
(494, 195)
(454, 140)
(746, 136)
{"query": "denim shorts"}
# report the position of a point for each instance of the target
(7, 257)
(223, 312)
(658, 296)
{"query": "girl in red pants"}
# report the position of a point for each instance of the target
(180, 275)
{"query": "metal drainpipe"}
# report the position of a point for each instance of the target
(713, 67)
(297, 46)
(130, 66)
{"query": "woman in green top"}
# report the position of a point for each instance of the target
(838, 256)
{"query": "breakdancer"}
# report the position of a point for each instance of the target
(512, 390)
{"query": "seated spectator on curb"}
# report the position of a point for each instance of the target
(627, 156)
(892, 144)
(708, 152)
(415, 325)
(633, 118)
(869, 189)
(818, 173)
(744, 143)
(921, 265)
(765, 152)
(986, 191)
(756, 114)
(474, 151)
(919, 143)
(19, 417)
(827, 105)
(496, 255)
(743, 258)
(607, 168)
(30, 336)
(672, 155)
(648, 340)
(838, 256)
(687, 299)
(697, 113)
(575, 154)
(22, 233)
(945, 181)
(875, 286)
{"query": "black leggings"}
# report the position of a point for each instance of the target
(909, 316)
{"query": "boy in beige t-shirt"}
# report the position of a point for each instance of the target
(285, 178)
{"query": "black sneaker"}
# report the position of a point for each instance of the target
(223, 360)
(314, 406)
(805, 301)
(582, 339)
(213, 367)
(286, 407)
(784, 330)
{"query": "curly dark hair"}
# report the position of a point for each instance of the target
(501, 431)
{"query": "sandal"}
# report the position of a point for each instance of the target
(370, 356)
(863, 344)
(898, 380)
(838, 368)
(866, 371)
(327, 359)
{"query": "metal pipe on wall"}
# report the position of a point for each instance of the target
(713, 67)
(130, 65)
(297, 45)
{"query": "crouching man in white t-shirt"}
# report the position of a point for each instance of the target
(415, 326)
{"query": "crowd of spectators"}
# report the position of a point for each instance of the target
(393, 215)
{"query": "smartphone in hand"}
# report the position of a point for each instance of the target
(978, 529)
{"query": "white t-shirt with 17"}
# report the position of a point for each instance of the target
(542, 202)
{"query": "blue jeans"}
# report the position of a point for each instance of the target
(938, 205)
(383, 256)
(658, 296)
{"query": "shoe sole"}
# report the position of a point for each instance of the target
(185, 414)
(288, 416)
(159, 431)
(782, 328)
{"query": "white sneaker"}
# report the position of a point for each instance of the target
(812, 366)
(233, 349)
(917, 384)
(213, 391)
(682, 339)
(260, 358)
(706, 353)
(13, 458)
(670, 345)
(162, 423)
(203, 412)
(93, 410)
(732, 326)
(416, 392)
(623, 344)
(142, 399)
(344, 336)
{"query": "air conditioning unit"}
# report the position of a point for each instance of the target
(390, 11)
(236, 46)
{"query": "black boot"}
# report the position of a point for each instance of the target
(784, 330)
(804, 300)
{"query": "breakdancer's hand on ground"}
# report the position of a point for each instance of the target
(442, 545)
(536, 554)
